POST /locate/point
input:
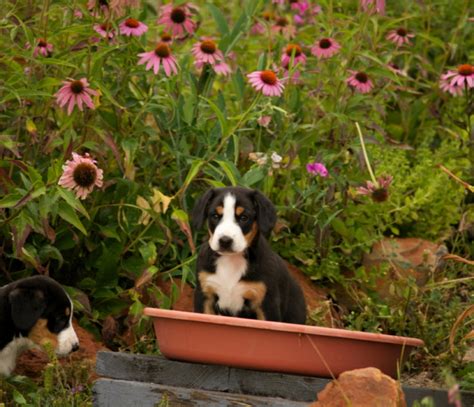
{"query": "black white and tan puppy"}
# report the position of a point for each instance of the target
(34, 311)
(237, 272)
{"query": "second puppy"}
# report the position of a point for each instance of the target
(238, 274)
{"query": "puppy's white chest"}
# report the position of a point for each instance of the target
(226, 282)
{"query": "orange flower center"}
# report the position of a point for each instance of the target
(162, 50)
(106, 26)
(208, 47)
(281, 22)
(178, 15)
(325, 43)
(293, 48)
(267, 15)
(268, 77)
(85, 175)
(361, 77)
(165, 37)
(76, 87)
(132, 23)
(402, 32)
(42, 43)
(465, 70)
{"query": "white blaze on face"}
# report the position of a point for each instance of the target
(229, 228)
(67, 338)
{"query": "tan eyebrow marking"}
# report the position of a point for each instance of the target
(68, 311)
(251, 235)
(220, 210)
(239, 210)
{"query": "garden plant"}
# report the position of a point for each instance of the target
(354, 118)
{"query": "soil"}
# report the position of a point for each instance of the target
(32, 362)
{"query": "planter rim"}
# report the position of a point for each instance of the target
(282, 327)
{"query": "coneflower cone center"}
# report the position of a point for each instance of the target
(178, 15)
(208, 47)
(162, 50)
(466, 70)
(103, 3)
(281, 22)
(85, 175)
(77, 87)
(42, 43)
(267, 15)
(268, 77)
(380, 195)
(325, 43)
(402, 32)
(165, 37)
(106, 26)
(293, 48)
(132, 23)
(361, 77)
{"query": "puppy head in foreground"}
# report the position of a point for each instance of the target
(235, 216)
(36, 311)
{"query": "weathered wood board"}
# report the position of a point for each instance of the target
(122, 393)
(146, 369)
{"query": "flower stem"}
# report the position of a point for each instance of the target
(366, 157)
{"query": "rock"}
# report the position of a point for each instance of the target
(405, 257)
(367, 387)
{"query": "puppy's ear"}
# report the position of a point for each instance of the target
(266, 213)
(27, 305)
(200, 210)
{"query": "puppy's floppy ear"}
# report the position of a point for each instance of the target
(266, 213)
(200, 210)
(27, 305)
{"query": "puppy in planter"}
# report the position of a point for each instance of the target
(238, 274)
(34, 311)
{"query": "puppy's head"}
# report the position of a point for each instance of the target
(235, 216)
(42, 311)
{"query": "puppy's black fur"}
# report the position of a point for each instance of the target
(268, 290)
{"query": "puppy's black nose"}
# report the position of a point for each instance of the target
(75, 347)
(225, 242)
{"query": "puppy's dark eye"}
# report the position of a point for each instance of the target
(215, 216)
(243, 218)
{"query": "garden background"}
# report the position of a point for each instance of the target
(357, 124)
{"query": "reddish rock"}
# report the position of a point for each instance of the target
(405, 257)
(367, 387)
(32, 362)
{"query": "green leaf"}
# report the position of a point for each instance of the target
(195, 167)
(221, 22)
(252, 176)
(18, 397)
(10, 200)
(72, 201)
(148, 253)
(230, 170)
(67, 213)
(219, 114)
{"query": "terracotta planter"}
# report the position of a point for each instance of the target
(275, 346)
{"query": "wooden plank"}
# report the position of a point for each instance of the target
(155, 369)
(121, 393)
(158, 370)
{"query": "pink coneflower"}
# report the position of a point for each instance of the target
(75, 92)
(267, 82)
(293, 51)
(42, 48)
(160, 55)
(301, 6)
(446, 86)
(306, 13)
(325, 48)
(177, 20)
(81, 175)
(98, 5)
(283, 26)
(463, 76)
(264, 121)
(206, 52)
(400, 36)
(105, 30)
(379, 190)
(360, 82)
(373, 6)
(316, 168)
(130, 27)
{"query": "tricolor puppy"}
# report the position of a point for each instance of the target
(238, 274)
(34, 311)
